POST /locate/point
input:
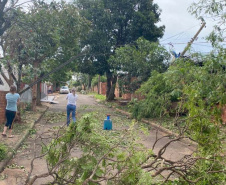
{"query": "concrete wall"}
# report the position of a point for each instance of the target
(5, 86)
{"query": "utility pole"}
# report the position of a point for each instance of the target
(192, 40)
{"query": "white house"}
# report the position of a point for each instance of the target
(3, 84)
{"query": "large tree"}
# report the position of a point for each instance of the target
(114, 24)
(136, 63)
(8, 14)
(41, 41)
(71, 29)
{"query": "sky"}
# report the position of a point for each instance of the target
(181, 26)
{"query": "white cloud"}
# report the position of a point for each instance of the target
(177, 19)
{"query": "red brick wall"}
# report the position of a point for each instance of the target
(103, 88)
(95, 89)
(126, 96)
(2, 106)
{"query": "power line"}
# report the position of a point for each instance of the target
(202, 45)
(193, 43)
(179, 33)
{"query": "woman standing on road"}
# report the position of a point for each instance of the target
(12, 99)
(71, 105)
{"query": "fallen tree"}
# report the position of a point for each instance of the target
(118, 157)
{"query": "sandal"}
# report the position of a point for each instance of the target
(4, 135)
(12, 136)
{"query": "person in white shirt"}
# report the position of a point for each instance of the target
(71, 105)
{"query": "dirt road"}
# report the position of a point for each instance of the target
(16, 173)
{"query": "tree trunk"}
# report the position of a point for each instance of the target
(111, 95)
(89, 82)
(19, 77)
(19, 67)
(34, 88)
(109, 76)
(34, 97)
(38, 94)
(9, 81)
(54, 86)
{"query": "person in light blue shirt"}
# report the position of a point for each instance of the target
(12, 99)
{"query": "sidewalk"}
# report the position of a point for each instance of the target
(48, 98)
(20, 132)
(162, 129)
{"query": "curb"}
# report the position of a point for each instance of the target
(162, 129)
(11, 154)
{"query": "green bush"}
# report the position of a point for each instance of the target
(95, 80)
(158, 99)
(100, 97)
(76, 83)
(200, 91)
(79, 88)
(3, 151)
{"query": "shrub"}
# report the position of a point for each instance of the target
(95, 80)
(3, 151)
(79, 88)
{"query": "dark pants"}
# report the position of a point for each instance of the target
(10, 115)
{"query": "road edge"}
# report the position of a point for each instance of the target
(11, 154)
(162, 129)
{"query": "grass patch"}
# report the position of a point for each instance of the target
(3, 151)
(52, 117)
(100, 97)
(20, 128)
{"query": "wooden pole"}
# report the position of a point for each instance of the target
(192, 40)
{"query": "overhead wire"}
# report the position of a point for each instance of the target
(179, 33)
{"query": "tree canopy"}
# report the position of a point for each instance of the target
(114, 24)
(138, 61)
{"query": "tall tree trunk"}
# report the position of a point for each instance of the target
(89, 82)
(38, 102)
(18, 83)
(39, 90)
(109, 76)
(19, 77)
(34, 88)
(111, 94)
(19, 67)
(54, 86)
